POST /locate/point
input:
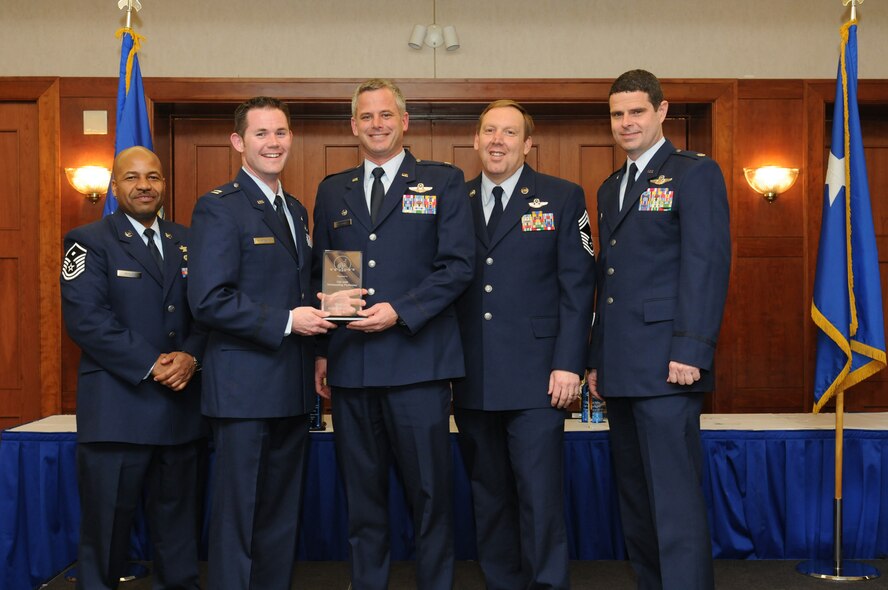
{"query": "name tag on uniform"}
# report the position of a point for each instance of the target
(656, 199)
(538, 221)
(420, 204)
(342, 223)
(263, 241)
(129, 274)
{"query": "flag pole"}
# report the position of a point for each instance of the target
(838, 569)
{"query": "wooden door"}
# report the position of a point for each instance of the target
(19, 337)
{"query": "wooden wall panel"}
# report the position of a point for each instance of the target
(203, 158)
(771, 356)
(453, 141)
(877, 171)
(20, 367)
(768, 135)
(766, 323)
(10, 375)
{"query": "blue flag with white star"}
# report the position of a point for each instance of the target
(132, 111)
(847, 306)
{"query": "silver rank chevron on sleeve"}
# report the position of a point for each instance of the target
(74, 262)
(586, 233)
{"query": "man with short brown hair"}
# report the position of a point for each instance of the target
(524, 322)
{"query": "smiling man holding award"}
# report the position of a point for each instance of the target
(410, 223)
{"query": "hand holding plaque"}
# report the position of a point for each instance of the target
(341, 285)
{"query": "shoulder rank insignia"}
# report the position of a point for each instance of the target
(168, 235)
(661, 180)
(236, 185)
(420, 188)
(701, 155)
(405, 175)
(355, 179)
(74, 262)
(216, 191)
(260, 202)
(524, 190)
(183, 248)
(536, 203)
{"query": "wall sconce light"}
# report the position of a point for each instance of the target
(91, 181)
(770, 181)
(434, 36)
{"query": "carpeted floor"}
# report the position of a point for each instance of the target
(585, 575)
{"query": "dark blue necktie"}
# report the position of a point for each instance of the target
(496, 212)
(377, 193)
(630, 180)
(152, 248)
(282, 215)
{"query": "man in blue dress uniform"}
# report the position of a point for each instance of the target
(525, 323)
(390, 372)
(249, 285)
(138, 403)
(665, 260)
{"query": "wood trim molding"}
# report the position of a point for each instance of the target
(49, 255)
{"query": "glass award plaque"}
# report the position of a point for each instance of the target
(341, 284)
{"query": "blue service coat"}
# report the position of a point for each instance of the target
(245, 279)
(528, 309)
(419, 262)
(123, 315)
(664, 264)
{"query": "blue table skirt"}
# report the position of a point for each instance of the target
(769, 493)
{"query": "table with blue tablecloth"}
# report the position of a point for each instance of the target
(768, 480)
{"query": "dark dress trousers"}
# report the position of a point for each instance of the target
(391, 392)
(526, 313)
(132, 432)
(258, 384)
(663, 276)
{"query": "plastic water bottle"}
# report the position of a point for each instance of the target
(599, 411)
(316, 418)
(584, 402)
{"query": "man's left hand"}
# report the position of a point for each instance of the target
(682, 374)
(377, 318)
(564, 388)
(175, 370)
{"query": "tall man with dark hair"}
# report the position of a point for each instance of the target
(390, 372)
(525, 323)
(665, 261)
(138, 405)
(250, 279)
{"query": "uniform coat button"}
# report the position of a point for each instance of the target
(171, 308)
(172, 334)
(489, 261)
(613, 242)
(610, 271)
(372, 237)
(371, 291)
(488, 288)
(610, 300)
(488, 316)
(372, 264)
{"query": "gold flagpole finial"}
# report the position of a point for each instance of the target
(129, 6)
(854, 4)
